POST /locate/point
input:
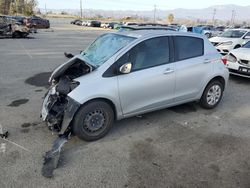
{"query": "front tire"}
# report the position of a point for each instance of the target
(212, 95)
(93, 120)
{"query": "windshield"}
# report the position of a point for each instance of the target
(247, 45)
(233, 33)
(105, 47)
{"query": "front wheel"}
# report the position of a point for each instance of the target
(212, 95)
(93, 120)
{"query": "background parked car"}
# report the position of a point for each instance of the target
(231, 39)
(104, 25)
(74, 21)
(95, 23)
(111, 25)
(11, 28)
(38, 23)
(238, 61)
(78, 22)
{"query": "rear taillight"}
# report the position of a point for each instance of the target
(224, 60)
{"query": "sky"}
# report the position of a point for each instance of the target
(136, 4)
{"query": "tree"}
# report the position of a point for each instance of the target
(12, 9)
(4, 6)
(170, 18)
(29, 7)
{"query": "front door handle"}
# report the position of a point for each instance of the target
(206, 61)
(168, 71)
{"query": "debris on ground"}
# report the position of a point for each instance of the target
(51, 157)
(68, 55)
(4, 135)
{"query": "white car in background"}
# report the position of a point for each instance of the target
(238, 61)
(230, 39)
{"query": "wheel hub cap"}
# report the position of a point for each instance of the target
(94, 121)
(213, 95)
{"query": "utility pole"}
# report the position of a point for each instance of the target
(214, 13)
(81, 7)
(233, 17)
(45, 9)
(154, 12)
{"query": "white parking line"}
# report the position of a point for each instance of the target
(16, 145)
(26, 51)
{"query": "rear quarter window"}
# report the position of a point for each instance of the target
(188, 47)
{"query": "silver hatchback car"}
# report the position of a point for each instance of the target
(130, 73)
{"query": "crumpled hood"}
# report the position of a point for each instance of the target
(222, 39)
(62, 68)
(242, 53)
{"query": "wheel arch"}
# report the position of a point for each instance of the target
(217, 78)
(108, 101)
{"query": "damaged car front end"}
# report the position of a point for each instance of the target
(73, 102)
(58, 108)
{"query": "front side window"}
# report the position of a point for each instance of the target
(150, 53)
(188, 47)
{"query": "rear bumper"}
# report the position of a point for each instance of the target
(233, 68)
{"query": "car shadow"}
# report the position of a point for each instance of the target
(239, 79)
(29, 37)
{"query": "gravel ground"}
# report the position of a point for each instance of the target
(184, 146)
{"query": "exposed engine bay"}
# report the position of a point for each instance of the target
(62, 83)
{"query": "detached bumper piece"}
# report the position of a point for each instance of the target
(52, 157)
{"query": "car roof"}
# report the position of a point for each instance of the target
(240, 29)
(149, 27)
(152, 33)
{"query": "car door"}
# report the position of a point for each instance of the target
(192, 67)
(151, 83)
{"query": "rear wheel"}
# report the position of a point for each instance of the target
(212, 95)
(93, 120)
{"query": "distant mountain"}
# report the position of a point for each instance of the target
(223, 12)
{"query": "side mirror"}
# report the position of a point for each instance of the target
(126, 68)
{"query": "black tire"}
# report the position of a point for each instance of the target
(16, 35)
(93, 120)
(208, 35)
(204, 99)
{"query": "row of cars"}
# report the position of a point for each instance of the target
(93, 23)
(234, 45)
(207, 30)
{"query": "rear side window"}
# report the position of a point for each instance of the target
(188, 47)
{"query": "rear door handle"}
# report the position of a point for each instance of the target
(206, 61)
(168, 71)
